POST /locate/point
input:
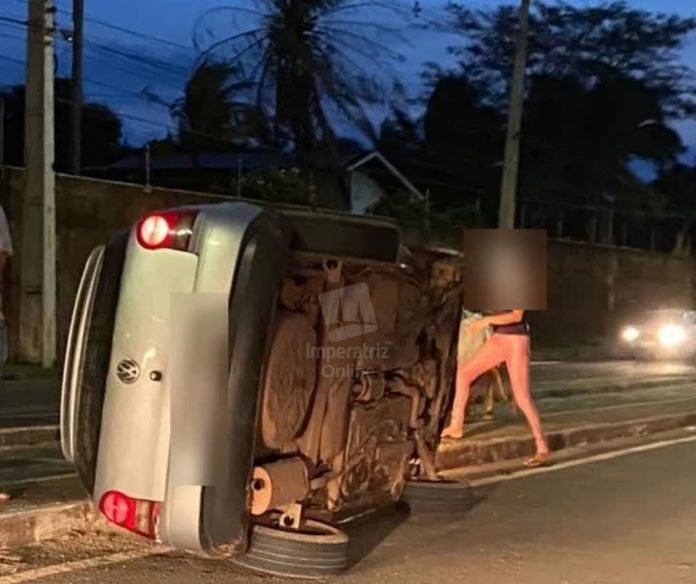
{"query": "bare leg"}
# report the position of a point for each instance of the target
(518, 369)
(487, 357)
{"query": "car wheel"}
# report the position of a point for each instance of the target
(437, 497)
(316, 550)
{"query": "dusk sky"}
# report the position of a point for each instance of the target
(118, 80)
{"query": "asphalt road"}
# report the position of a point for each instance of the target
(629, 519)
(37, 402)
(559, 388)
(552, 371)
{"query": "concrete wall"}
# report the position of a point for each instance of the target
(590, 287)
(594, 288)
(88, 213)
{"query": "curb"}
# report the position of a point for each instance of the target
(29, 436)
(476, 453)
(24, 527)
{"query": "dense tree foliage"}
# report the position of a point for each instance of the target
(101, 129)
(211, 115)
(604, 84)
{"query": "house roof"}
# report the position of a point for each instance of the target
(358, 162)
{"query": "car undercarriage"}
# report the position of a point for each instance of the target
(353, 394)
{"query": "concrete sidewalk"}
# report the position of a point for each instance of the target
(596, 410)
(505, 439)
(44, 507)
(42, 510)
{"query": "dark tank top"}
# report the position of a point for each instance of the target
(515, 328)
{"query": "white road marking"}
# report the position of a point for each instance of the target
(66, 567)
(578, 462)
(546, 363)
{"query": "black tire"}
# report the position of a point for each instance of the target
(437, 497)
(318, 552)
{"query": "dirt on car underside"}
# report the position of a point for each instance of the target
(358, 375)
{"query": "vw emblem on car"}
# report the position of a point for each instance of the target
(128, 371)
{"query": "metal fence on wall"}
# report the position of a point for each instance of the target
(638, 229)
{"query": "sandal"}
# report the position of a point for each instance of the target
(538, 460)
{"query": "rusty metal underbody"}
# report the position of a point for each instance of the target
(355, 390)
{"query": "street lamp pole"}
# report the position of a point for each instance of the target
(508, 189)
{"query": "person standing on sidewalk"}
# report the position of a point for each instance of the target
(489, 385)
(6, 251)
(509, 344)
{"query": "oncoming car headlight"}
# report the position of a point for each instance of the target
(630, 334)
(672, 335)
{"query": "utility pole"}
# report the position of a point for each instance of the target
(76, 106)
(508, 189)
(2, 137)
(37, 331)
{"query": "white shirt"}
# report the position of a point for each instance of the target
(5, 247)
(5, 235)
(469, 343)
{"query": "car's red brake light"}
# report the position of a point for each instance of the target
(167, 230)
(135, 515)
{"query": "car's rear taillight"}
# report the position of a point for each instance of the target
(166, 230)
(135, 515)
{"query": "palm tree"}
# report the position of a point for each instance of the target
(308, 60)
(210, 114)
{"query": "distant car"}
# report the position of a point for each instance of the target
(660, 334)
(338, 359)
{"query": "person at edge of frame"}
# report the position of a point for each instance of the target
(6, 251)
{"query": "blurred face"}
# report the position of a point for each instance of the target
(505, 269)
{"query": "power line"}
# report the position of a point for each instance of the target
(140, 35)
(13, 60)
(15, 21)
(152, 63)
(12, 36)
(171, 126)
(90, 81)
(129, 70)
(67, 10)
(168, 126)
(157, 64)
